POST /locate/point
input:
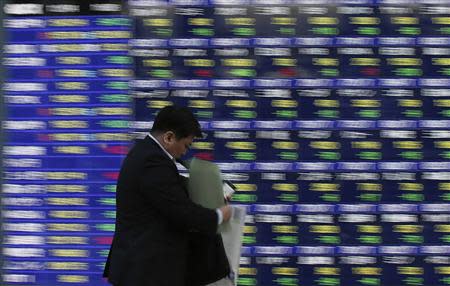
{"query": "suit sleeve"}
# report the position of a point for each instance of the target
(165, 192)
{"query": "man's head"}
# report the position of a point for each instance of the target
(175, 128)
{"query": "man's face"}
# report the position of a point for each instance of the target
(178, 147)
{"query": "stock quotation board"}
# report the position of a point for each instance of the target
(66, 96)
(332, 119)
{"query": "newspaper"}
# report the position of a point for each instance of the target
(232, 241)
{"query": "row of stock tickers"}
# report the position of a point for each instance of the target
(330, 117)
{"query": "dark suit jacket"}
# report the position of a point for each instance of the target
(159, 230)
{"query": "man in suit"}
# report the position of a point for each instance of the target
(156, 220)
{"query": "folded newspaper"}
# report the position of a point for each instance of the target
(207, 189)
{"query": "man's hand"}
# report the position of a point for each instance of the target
(226, 212)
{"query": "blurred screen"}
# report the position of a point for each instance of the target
(330, 117)
(68, 113)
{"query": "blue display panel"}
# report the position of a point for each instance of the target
(330, 117)
(67, 130)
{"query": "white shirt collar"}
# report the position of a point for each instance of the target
(159, 144)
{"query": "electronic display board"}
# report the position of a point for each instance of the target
(68, 115)
(330, 117)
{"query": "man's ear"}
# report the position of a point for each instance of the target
(168, 137)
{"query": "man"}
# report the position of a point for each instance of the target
(155, 217)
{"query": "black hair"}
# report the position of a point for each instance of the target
(177, 119)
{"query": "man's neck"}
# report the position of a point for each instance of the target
(157, 137)
(159, 140)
